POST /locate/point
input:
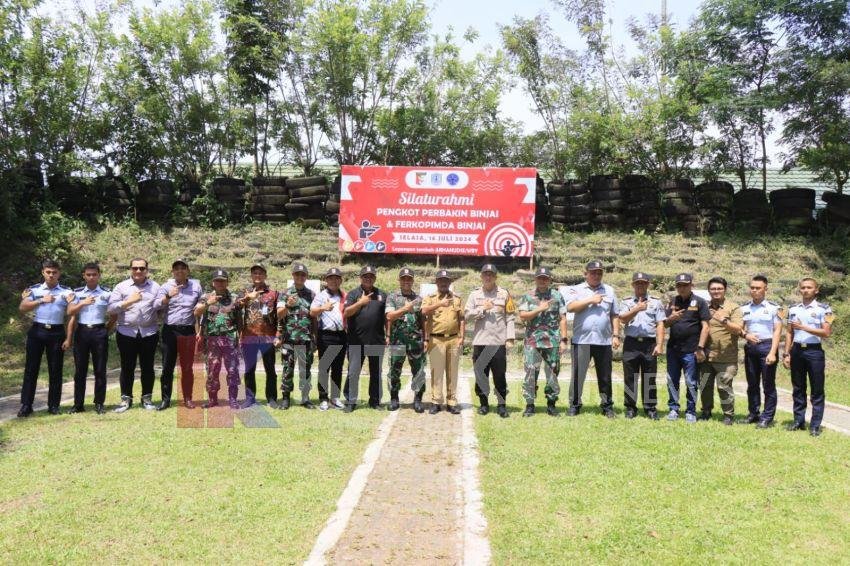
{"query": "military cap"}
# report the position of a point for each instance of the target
(179, 261)
(442, 274)
(489, 268)
(640, 276)
(368, 269)
(299, 268)
(333, 271)
(593, 265)
(684, 278)
(220, 274)
(258, 266)
(543, 272)
(405, 272)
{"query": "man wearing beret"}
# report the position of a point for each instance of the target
(596, 331)
(405, 331)
(444, 328)
(365, 313)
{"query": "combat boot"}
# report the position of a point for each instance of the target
(417, 403)
(502, 411)
(213, 400)
(147, 404)
(283, 405)
(485, 405)
(550, 408)
(393, 403)
(126, 403)
(529, 410)
(164, 404)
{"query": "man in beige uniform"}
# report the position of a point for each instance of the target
(444, 327)
(721, 351)
(493, 312)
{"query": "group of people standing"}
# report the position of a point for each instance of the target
(366, 323)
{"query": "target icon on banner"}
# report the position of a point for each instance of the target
(507, 239)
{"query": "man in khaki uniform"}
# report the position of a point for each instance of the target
(721, 351)
(493, 312)
(444, 328)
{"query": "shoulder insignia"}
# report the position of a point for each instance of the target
(771, 303)
(79, 289)
(829, 318)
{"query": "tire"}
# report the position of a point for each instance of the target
(677, 184)
(318, 199)
(312, 222)
(642, 195)
(265, 208)
(606, 194)
(708, 200)
(715, 187)
(610, 205)
(793, 193)
(228, 190)
(603, 182)
(277, 218)
(781, 213)
(269, 190)
(148, 200)
(268, 181)
(750, 196)
(836, 200)
(332, 206)
(276, 200)
(677, 193)
(299, 182)
(231, 199)
(677, 208)
(156, 186)
(227, 182)
(309, 191)
(792, 203)
(839, 214)
(608, 218)
(637, 181)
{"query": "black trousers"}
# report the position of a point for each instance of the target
(639, 370)
(133, 349)
(334, 344)
(90, 343)
(264, 346)
(177, 341)
(487, 360)
(39, 341)
(759, 372)
(581, 355)
(356, 353)
(811, 362)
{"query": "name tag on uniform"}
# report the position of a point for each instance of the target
(265, 310)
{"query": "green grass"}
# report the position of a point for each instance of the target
(138, 487)
(600, 491)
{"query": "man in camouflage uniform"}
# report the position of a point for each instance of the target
(545, 315)
(296, 331)
(220, 328)
(404, 336)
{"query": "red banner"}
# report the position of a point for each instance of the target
(437, 210)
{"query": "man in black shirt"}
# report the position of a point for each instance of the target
(365, 316)
(687, 319)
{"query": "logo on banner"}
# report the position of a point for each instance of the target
(452, 179)
(506, 239)
(420, 178)
(364, 242)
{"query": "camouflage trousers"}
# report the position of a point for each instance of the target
(302, 356)
(415, 358)
(222, 351)
(533, 358)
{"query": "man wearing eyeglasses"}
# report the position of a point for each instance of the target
(135, 302)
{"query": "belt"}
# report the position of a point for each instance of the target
(641, 338)
(101, 325)
(57, 326)
(180, 325)
(332, 331)
(444, 335)
(803, 346)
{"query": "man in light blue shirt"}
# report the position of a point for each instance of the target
(762, 330)
(596, 328)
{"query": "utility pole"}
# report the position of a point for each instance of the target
(663, 12)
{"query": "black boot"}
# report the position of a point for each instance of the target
(417, 403)
(529, 410)
(485, 405)
(502, 410)
(164, 404)
(550, 408)
(26, 410)
(147, 403)
(99, 408)
(393, 402)
(283, 405)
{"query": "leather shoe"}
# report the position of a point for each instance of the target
(212, 402)
(796, 425)
(529, 411)
(631, 413)
(610, 413)
(417, 403)
(435, 408)
(77, 409)
(283, 404)
(147, 404)
(164, 404)
(189, 404)
(703, 416)
(483, 409)
(814, 431)
(502, 411)
(652, 415)
(308, 404)
(26, 410)
(349, 408)
(752, 418)
(764, 424)
(273, 404)
(99, 408)
(374, 405)
(126, 403)
(550, 409)
(573, 411)
(728, 421)
(393, 405)
(53, 410)
(453, 409)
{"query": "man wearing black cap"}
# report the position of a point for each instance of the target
(596, 331)
(296, 337)
(326, 308)
(178, 297)
(491, 309)
(365, 313)
(259, 328)
(545, 315)
(404, 331)
(444, 328)
(687, 319)
(643, 317)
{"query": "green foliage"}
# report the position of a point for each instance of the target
(206, 211)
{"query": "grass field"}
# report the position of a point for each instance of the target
(597, 491)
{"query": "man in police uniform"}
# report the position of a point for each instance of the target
(687, 319)
(545, 315)
(762, 328)
(296, 337)
(643, 316)
(90, 326)
(50, 301)
(809, 323)
(365, 314)
(404, 331)
(596, 331)
(444, 328)
(724, 329)
(493, 313)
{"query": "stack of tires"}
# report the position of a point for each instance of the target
(678, 206)
(189, 191)
(752, 212)
(332, 204)
(837, 212)
(72, 194)
(267, 199)
(541, 204)
(714, 202)
(570, 205)
(793, 210)
(643, 211)
(608, 202)
(114, 194)
(156, 200)
(231, 193)
(307, 197)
